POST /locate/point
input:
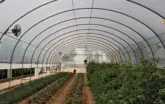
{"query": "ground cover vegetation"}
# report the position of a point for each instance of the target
(46, 93)
(75, 94)
(12, 97)
(124, 83)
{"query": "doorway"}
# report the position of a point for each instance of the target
(74, 71)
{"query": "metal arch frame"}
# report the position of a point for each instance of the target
(99, 25)
(99, 37)
(70, 39)
(2, 1)
(76, 38)
(156, 35)
(102, 47)
(55, 58)
(67, 40)
(73, 45)
(136, 3)
(88, 8)
(82, 45)
(104, 32)
(74, 14)
(45, 4)
(77, 34)
(65, 28)
(91, 12)
(91, 24)
(75, 25)
(102, 44)
(25, 15)
(80, 38)
(55, 53)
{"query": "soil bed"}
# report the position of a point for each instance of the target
(87, 97)
(74, 91)
(60, 96)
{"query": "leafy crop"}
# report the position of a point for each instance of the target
(26, 90)
(76, 92)
(77, 98)
(47, 92)
(124, 83)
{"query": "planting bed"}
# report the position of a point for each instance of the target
(43, 95)
(26, 90)
(60, 96)
(62, 88)
(75, 93)
(87, 97)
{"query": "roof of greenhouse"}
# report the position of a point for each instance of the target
(50, 28)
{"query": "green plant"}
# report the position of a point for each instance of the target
(47, 92)
(68, 101)
(124, 83)
(74, 97)
(20, 93)
(77, 98)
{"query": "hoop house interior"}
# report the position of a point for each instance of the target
(118, 47)
(122, 28)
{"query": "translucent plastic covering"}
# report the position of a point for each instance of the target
(123, 29)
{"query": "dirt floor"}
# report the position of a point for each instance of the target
(65, 91)
(87, 97)
(26, 100)
(60, 96)
(73, 92)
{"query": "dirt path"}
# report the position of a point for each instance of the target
(73, 91)
(87, 97)
(27, 99)
(61, 94)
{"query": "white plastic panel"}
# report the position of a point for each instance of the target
(129, 23)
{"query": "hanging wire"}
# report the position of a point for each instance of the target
(74, 15)
(75, 19)
(161, 34)
(89, 26)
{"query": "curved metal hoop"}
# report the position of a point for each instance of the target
(72, 46)
(77, 38)
(69, 48)
(79, 35)
(70, 37)
(88, 8)
(95, 41)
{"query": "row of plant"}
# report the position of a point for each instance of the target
(75, 94)
(72, 92)
(125, 83)
(45, 94)
(78, 97)
(26, 90)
